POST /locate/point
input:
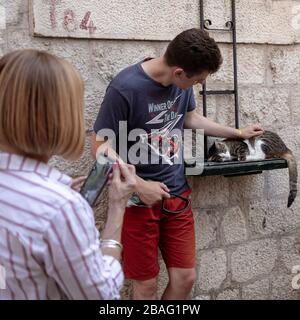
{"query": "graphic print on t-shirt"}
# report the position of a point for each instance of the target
(163, 142)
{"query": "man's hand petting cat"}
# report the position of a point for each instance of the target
(251, 131)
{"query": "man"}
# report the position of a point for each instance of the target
(157, 94)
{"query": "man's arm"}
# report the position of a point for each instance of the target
(193, 120)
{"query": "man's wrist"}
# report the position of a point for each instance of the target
(139, 184)
(239, 133)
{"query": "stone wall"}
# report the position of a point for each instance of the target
(247, 240)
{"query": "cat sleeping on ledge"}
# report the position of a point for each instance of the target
(267, 146)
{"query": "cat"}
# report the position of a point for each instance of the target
(266, 146)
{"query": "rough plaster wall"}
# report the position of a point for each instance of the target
(115, 19)
(247, 241)
(153, 20)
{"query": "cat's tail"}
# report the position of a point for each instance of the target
(293, 175)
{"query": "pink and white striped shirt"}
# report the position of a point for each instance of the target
(49, 245)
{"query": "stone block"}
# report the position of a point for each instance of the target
(266, 106)
(285, 65)
(212, 269)
(273, 217)
(281, 288)
(206, 228)
(143, 20)
(251, 66)
(16, 12)
(229, 294)
(259, 290)
(290, 251)
(258, 21)
(295, 105)
(253, 259)
(244, 188)
(276, 184)
(2, 17)
(209, 192)
(219, 108)
(202, 297)
(110, 58)
(234, 226)
(290, 135)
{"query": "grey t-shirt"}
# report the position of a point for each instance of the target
(134, 97)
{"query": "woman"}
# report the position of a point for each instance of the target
(49, 246)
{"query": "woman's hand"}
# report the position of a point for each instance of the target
(122, 183)
(77, 183)
(251, 131)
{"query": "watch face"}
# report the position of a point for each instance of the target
(136, 201)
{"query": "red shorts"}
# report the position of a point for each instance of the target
(146, 229)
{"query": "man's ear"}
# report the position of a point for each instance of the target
(178, 72)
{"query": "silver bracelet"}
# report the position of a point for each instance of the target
(110, 243)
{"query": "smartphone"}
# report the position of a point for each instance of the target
(97, 179)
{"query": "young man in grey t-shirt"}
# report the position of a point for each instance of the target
(157, 94)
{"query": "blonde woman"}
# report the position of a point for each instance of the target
(49, 246)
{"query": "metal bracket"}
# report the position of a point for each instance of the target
(207, 23)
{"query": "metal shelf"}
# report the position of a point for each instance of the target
(241, 168)
(235, 168)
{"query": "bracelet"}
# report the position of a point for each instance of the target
(110, 243)
(112, 246)
(240, 132)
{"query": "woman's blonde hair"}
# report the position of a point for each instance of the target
(41, 105)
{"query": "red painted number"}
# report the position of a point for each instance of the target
(87, 23)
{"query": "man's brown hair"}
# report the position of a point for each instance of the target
(41, 105)
(194, 51)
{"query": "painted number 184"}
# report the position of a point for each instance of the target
(70, 22)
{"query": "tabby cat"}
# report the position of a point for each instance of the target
(267, 146)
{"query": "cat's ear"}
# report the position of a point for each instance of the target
(219, 144)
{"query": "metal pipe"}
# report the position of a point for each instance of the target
(236, 96)
(201, 15)
(204, 85)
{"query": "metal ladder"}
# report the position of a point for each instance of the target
(234, 168)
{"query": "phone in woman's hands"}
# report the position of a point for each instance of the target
(97, 179)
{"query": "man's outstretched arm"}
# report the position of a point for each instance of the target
(193, 120)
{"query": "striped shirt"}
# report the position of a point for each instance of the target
(49, 245)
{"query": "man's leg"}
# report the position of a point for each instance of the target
(145, 290)
(177, 244)
(180, 284)
(140, 237)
